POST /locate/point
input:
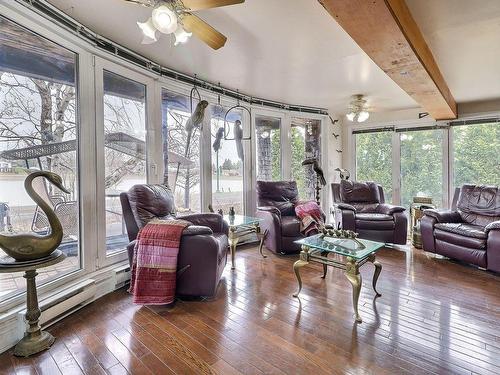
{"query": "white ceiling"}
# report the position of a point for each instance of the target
(464, 36)
(293, 51)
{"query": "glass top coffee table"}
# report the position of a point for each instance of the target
(353, 254)
(239, 226)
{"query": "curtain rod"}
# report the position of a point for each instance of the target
(51, 13)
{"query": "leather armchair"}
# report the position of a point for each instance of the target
(276, 202)
(361, 207)
(203, 249)
(469, 231)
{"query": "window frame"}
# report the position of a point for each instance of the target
(100, 66)
(85, 160)
(447, 148)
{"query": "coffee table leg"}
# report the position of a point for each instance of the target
(233, 241)
(304, 259)
(296, 267)
(376, 274)
(354, 277)
(325, 267)
(262, 237)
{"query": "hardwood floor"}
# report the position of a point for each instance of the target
(434, 316)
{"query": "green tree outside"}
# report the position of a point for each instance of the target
(374, 160)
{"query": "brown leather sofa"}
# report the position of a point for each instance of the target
(276, 202)
(361, 207)
(203, 249)
(470, 231)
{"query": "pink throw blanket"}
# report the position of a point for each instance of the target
(154, 266)
(311, 217)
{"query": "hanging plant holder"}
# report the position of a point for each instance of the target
(226, 124)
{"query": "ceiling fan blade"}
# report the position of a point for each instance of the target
(194, 5)
(146, 3)
(203, 31)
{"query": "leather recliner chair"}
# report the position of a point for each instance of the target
(203, 248)
(361, 207)
(276, 202)
(469, 231)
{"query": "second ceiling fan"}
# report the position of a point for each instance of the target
(175, 16)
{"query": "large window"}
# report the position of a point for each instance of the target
(476, 154)
(268, 142)
(227, 158)
(374, 159)
(422, 165)
(38, 131)
(124, 149)
(181, 150)
(305, 143)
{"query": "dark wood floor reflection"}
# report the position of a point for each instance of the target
(434, 316)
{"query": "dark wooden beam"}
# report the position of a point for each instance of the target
(387, 32)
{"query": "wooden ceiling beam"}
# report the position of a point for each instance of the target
(387, 32)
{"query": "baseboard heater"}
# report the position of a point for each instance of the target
(63, 303)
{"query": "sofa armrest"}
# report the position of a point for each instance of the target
(270, 222)
(444, 216)
(211, 220)
(270, 209)
(344, 206)
(389, 209)
(495, 225)
(195, 230)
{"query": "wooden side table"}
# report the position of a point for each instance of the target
(35, 340)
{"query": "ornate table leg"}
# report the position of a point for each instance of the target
(376, 274)
(354, 277)
(304, 259)
(233, 241)
(35, 340)
(325, 267)
(261, 236)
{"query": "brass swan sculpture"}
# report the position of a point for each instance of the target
(30, 246)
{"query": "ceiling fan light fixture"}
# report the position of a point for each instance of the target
(181, 36)
(148, 30)
(350, 116)
(363, 116)
(164, 19)
(358, 110)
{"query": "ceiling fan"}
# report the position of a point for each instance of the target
(175, 16)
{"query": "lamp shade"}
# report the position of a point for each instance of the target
(149, 31)
(363, 116)
(181, 36)
(164, 19)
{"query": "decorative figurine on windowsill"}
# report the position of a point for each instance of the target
(231, 212)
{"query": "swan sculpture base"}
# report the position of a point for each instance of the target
(35, 340)
(30, 345)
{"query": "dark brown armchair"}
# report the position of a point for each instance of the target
(276, 202)
(470, 230)
(203, 249)
(361, 207)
